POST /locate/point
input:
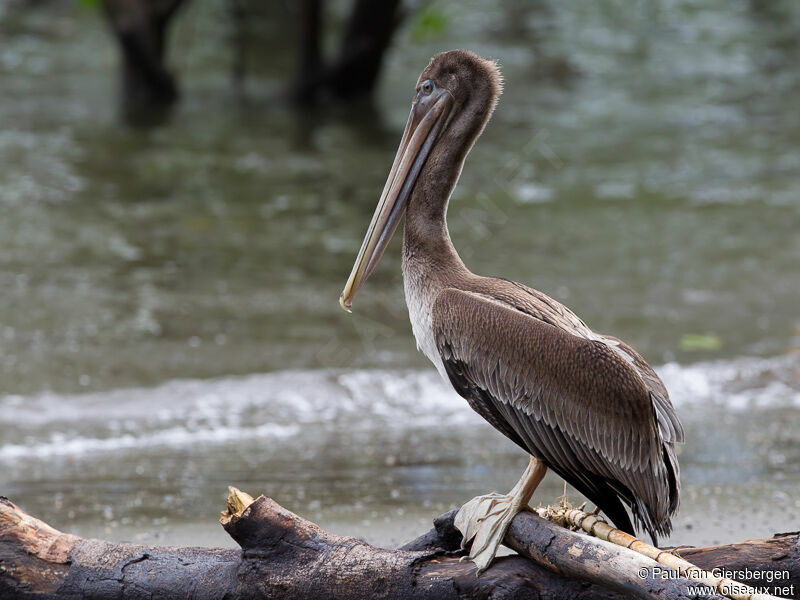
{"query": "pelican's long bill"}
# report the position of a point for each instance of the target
(428, 118)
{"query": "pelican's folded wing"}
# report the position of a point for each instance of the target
(575, 403)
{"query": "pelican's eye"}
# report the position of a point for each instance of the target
(426, 88)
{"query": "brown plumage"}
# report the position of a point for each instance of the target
(587, 405)
(570, 398)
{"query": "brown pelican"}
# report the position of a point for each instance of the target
(585, 405)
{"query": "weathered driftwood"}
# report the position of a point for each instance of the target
(285, 556)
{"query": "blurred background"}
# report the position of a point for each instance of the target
(184, 187)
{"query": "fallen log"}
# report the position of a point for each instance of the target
(285, 556)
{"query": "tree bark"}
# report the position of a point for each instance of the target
(285, 556)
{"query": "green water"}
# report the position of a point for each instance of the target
(642, 167)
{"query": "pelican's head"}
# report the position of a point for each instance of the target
(455, 96)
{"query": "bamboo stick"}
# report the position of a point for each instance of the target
(597, 526)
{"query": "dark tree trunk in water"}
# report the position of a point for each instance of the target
(368, 35)
(355, 71)
(309, 67)
(285, 556)
(141, 27)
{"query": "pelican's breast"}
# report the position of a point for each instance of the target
(421, 293)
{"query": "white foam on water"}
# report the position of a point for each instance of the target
(736, 384)
(280, 405)
(61, 445)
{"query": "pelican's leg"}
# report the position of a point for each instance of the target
(486, 518)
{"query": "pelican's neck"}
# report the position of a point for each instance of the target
(426, 240)
(426, 244)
